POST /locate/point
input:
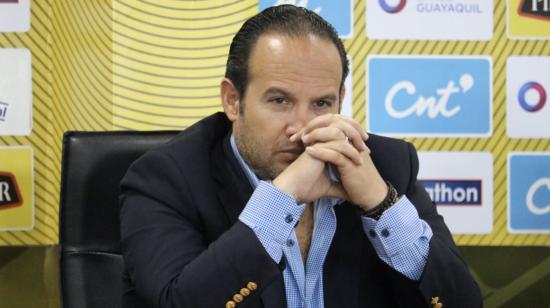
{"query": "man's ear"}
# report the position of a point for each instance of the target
(342, 93)
(230, 99)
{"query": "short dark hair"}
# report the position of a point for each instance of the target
(283, 19)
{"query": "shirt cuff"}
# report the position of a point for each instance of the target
(272, 214)
(400, 238)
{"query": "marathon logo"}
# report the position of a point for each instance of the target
(3, 109)
(454, 192)
(10, 195)
(535, 8)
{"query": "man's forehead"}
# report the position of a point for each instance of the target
(272, 49)
(275, 41)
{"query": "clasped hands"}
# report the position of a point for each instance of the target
(340, 141)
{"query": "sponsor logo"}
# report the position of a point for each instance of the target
(429, 19)
(392, 9)
(527, 83)
(10, 195)
(448, 7)
(432, 106)
(461, 185)
(533, 86)
(528, 19)
(530, 197)
(15, 15)
(429, 96)
(16, 188)
(3, 111)
(454, 192)
(535, 8)
(15, 91)
(529, 192)
(338, 13)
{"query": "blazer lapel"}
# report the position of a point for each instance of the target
(234, 190)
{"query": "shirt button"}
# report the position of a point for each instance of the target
(289, 242)
(372, 233)
(289, 218)
(385, 233)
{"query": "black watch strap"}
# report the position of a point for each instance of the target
(391, 198)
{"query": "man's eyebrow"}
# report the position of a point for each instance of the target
(279, 91)
(328, 97)
(276, 91)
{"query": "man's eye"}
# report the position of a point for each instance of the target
(278, 100)
(322, 104)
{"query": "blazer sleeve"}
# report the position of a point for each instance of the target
(445, 275)
(166, 255)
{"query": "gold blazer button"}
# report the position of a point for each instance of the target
(245, 292)
(238, 298)
(230, 304)
(252, 286)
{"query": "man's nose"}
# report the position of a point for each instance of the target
(298, 118)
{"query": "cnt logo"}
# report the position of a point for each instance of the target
(3, 111)
(433, 105)
(539, 185)
(10, 195)
(429, 96)
(529, 192)
(527, 96)
(539, 9)
(454, 192)
(392, 7)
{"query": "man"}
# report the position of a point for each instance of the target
(279, 202)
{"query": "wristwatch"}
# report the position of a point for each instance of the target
(391, 198)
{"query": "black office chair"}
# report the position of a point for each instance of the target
(93, 165)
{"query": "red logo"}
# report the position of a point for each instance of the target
(539, 9)
(10, 196)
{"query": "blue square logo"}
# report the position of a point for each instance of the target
(337, 13)
(429, 96)
(529, 193)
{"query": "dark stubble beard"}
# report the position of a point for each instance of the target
(249, 146)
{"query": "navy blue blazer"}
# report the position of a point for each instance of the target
(184, 246)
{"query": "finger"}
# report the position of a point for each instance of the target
(336, 131)
(341, 154)
(345, 148)
(367, 151)
(326, 120)
(324, 134)
(353, 135)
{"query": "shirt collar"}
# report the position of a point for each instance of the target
(252, 178)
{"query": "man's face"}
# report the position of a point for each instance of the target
(291, 80)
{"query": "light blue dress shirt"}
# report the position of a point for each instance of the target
(400, 237)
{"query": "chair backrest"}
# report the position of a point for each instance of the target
(93, 165)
